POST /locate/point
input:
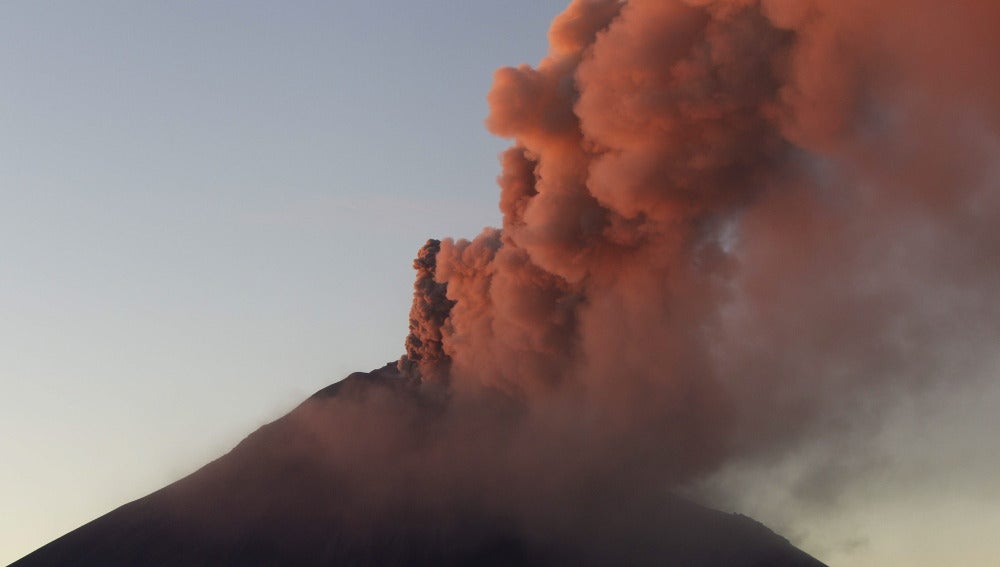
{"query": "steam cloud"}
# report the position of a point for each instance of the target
(731, 229)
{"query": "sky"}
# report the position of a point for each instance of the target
(210, 210)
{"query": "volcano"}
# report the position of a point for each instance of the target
(271, 501)
(734, 233)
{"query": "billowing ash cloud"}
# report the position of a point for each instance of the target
(431, 306)
(731, 228)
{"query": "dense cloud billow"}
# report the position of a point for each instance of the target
(733, 231)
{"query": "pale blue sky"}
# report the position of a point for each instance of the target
(209, 211)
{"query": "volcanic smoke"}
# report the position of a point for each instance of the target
(732, 230)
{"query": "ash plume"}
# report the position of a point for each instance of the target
(425, 356)
(733, 228)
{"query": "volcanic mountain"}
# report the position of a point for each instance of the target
(275, 500)
(733, 232)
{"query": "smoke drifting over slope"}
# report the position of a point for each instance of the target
(731, 228)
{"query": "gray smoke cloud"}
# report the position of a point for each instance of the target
(431, 307)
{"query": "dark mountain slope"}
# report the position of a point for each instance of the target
(271, 501)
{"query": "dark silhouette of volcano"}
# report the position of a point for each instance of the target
(271, 502)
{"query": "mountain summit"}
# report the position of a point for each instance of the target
(282, 497)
